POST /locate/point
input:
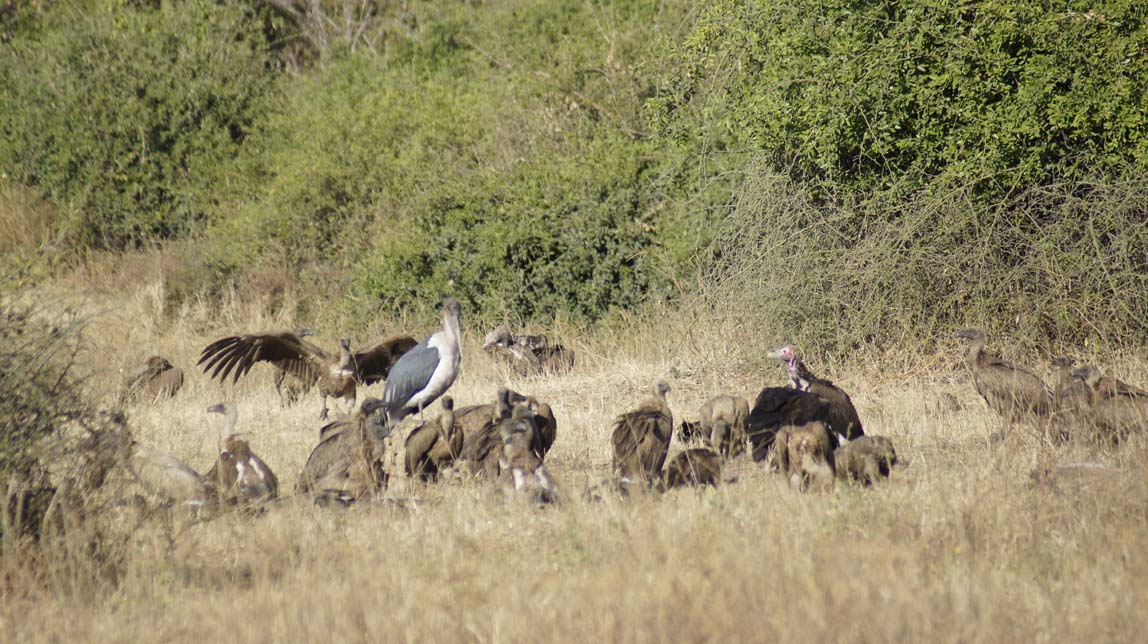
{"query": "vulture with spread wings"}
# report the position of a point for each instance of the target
(338, 373)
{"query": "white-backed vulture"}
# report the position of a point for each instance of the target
(476, 421)
(337, 374)
(804, 455)
(1013, 392)
(843, 418)
(239, 475)
(723, 420)
(1115, 409)
(530, 354)
(522, 473)
(155, 380)
(641, 438)
(867, 459)
(427, 370)
(434, 445)
(347, 459)
(693, 467)
(482, 443)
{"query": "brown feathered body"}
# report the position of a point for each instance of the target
(521, 472)
(723, 421)
(694, 467)
(805, 455)
(843, 419)
(1013, 392)
(1115, 409)
(240, 476)
(156, 380)
(866, 460)
(641, 439)
(530, 354)
(347, 458)
(434, 445)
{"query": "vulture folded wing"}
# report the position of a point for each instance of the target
(374, 362)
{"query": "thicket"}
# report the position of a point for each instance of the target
(912, 167)
(127, 115)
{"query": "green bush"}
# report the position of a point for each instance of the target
(848, 97)
(127, 116)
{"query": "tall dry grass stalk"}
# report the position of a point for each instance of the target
(959, 546)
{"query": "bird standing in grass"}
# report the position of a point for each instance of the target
(425, 372)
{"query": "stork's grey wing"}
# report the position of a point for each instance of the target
(410, 375)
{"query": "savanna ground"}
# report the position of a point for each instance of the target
(960, 545)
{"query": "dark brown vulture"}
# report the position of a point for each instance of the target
(866, 460)
(530, 354)
(723, 420)
(843, 418)
(1013, 392)
(338, 374)
(479, 421)
(694, 467)
(155, 380)
(778, 407)
(347, 458)
(1115, 409)
(522, 472)
(641, 438)
(239, 475)
(805, 455)
(434, 445)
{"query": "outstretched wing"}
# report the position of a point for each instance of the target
(239, 353)
(374, 362)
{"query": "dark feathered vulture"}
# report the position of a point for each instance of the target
(346, 460)
(843, 418)
(778, 407)
(435, 444)
(693, 467)
(530, 354)
(1013, 392)
(522, 473)
(478, 421)
(425, 372)
(337, 374)
(641, 438)
(155, 380)
(482, 440)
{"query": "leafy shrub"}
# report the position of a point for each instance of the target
(848, 97)
(126, 116)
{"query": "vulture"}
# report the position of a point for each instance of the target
(434, 445)
(155, 380)
(337, 374)
(694, 467)
(805, 454)
(1013, 392)
(778, 407)
(843, 418)
(482, 444)
(691, 431)
(723, 420)
(239, 475)
(523, 475)
(165, 476)
(641, 438)
(346, 462)
(867, 459)
(530, 354)
(1114, 408)
(478, 421)
(427, 370)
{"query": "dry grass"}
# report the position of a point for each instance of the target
(958, 546)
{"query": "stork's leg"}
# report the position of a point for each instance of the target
(323, 414)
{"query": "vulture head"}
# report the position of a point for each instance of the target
(786, 354)
(158, 363)
(1089, 374)
(498, 338)
(661, 390)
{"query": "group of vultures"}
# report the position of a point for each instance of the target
(808, 431)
